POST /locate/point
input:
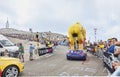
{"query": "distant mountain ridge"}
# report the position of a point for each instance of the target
(12, 31)
(15, 31)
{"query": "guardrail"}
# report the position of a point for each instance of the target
(43, 51)
(108, 58)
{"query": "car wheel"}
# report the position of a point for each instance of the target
(11, 71)
(69, 59)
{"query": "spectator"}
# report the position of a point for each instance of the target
(88, 43)
(95, 47)
(117, 43)
(117, 50)
(100, 49)
(115, 47)
(114, 40)
(6, 53)
(109, 42)
(37, 37)
(112, 46)
(116, 66)
(37, 47)
(21, 52)
(101, 45)
(31, 48)
(105, 44)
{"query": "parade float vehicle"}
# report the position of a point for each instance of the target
(76, 55)
(10, 67)
(77, 36)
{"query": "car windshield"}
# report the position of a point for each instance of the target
(6, 43)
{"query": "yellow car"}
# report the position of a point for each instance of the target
(10, 67)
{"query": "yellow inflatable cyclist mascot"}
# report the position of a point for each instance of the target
(77, 37)
(77, 33)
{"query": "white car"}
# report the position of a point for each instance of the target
(6, 44)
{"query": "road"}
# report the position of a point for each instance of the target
(56, 64)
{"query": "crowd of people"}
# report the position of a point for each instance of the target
(112, 45)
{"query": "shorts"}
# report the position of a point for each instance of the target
(20, 54)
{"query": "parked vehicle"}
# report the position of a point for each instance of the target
(6, 44)
(10, 67)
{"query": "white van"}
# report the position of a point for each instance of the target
(6, 44)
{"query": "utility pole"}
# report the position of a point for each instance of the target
(95, 31)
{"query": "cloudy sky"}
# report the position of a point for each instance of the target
(58, 15)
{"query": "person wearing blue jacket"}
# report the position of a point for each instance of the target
(111, 49)
(31, 48)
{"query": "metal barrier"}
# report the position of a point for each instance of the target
(43, 51)
(108, 58)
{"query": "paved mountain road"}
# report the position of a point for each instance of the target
(56, 64)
